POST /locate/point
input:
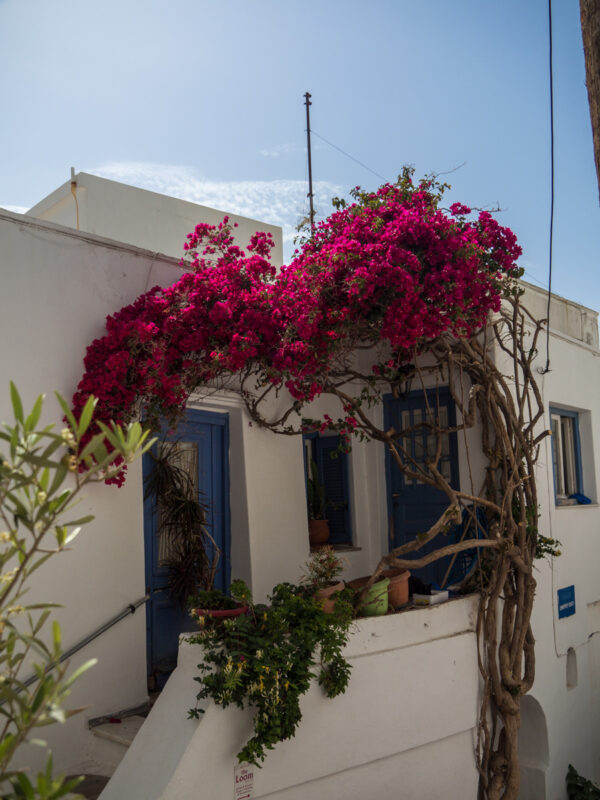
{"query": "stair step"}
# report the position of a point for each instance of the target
(123, 732)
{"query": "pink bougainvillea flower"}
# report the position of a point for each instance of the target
(392, 272)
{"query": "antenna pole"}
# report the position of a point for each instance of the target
(307, 97)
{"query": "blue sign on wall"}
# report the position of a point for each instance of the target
(566, 602)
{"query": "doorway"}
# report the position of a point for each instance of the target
(413, 506)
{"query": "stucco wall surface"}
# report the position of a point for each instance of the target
(58, 287)
(411, 702)
(570, 706)
(140, 217)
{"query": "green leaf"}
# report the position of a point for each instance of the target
(23, 787)
(67, 411)
(79, 671)
(16, 403)
(80, 521)
(39, 697)
(59, 476)
(56, 442)
(39, 461)
(33, 418)
(44, 479)
(39, 562)
(74, 533)
(56, 635)
(112, 436)
(86, 416)
(41, 621)
(92, 446)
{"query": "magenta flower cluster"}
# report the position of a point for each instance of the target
(393, 268)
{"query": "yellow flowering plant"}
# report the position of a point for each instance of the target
(267, 658)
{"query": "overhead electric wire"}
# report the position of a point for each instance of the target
(360, 163)
(547, 367)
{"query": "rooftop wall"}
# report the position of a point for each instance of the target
(140, 217)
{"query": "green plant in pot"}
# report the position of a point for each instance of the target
(318, 527)
(321, 576)
(215, 604)
(266, 659)
(371, 602)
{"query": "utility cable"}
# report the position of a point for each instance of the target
(331, 144)
(547, 367)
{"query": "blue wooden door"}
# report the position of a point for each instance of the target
(414, 506)
(202, 445)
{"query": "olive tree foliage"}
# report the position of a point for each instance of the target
(42, 472)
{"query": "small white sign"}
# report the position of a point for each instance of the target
(243, 781)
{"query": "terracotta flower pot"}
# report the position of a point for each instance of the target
(318, 531)
(375, 602)
(398, 588)
(219, 613)
(327, 596)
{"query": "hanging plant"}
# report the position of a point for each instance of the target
(266, 659)
(191, 553)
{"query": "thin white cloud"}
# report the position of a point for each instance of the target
(280, 150)
(278, 202)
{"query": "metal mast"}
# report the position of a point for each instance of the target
(307, 97)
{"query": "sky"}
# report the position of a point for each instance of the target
(205, 101)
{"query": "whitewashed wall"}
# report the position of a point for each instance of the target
(58, 287)
(560, 720)
(140, 217)
(404, 727)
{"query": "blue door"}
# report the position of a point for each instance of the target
(201, 442)
(413, 506)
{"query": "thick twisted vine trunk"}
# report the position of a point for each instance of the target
(492, 382)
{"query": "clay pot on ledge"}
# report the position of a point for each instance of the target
(327, 596)
(398, 588)
(219, 613)
(318, 531)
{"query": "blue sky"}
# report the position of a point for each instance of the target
(205, 101)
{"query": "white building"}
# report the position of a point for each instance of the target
(413, 698)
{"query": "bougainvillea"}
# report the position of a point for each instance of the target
(384, 280)
(391, 269)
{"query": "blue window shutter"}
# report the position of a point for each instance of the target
(333, 471)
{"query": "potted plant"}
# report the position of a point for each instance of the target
(373, 602)
(318, 527)
(266, 660)
(398, 588)
(216, 604)
(321, 572)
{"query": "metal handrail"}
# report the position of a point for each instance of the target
(130, 609)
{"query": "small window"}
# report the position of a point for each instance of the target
(332, 466)
(566, 454)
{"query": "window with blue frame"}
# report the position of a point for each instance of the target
(332, 467)
(566, 454)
